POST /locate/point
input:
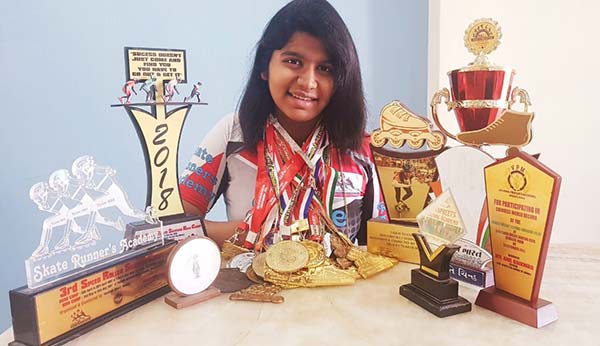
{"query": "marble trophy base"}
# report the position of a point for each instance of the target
(440, 297)
(537, 314)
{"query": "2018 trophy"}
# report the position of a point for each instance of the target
(406, 176)
(159, 121)
(431, 286)
(126, 246)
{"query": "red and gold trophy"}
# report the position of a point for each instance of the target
(521, 193)
(482, 92)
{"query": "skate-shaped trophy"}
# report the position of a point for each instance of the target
(482, 96)
(158, 122)
(431, 286)
(404, 149)
(83, 260)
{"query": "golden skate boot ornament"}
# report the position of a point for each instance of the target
(399, 125)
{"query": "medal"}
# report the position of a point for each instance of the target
(287, 256)
(193, 265)
(231, 280)
(316, 253)
(259, 293)
(258, 264)
(242, 261)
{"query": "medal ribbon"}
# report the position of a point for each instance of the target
(286, 182)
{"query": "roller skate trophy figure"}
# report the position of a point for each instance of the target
(171, 89)
(149, 87)
(128, 88)
(402, 180)
(195, 92)
(399, 125)
(49, 200)
(101, 179)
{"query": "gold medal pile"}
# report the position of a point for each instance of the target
(292, 264)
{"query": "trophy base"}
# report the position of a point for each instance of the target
(179, 302)
(58, 312)
(482, 278)
(176, 227)
(392, 240)
(440, 297)
(536, 314)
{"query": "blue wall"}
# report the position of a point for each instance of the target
(63, 66)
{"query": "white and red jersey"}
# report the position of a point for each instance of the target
(220, 166)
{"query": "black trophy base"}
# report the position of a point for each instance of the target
(535, 314)
(440, 297)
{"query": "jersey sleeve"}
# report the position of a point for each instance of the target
(200, 181)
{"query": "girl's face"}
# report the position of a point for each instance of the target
(300, 79)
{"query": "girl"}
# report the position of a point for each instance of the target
(295, 157)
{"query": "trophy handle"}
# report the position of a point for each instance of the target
(435, 101)
(523, 97)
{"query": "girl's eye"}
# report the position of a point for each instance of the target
(292, 61)
(325, 68)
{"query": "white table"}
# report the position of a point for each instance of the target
(371, 312)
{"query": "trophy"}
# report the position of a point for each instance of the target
(521, 193)
(84, 268)
(431, 286)
(482, 96)
(404, 150)
(472, 262)
(98, 256)
(158, 122)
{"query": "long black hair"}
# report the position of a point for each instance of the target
(345, 115)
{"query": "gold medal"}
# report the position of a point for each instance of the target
(316, 253)
(287, 256)
(258, 264)
(251, 275)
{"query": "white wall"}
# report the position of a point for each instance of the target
(553, 45)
